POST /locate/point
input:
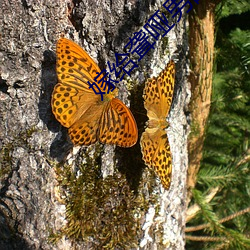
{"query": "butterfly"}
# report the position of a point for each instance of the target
(157, 95)
(77, 107)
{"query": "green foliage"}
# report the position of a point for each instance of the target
(218, 176)
(230, 7)
(207, 211)
(226, 153)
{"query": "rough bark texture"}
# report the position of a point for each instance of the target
(32, 142)
(201, 40)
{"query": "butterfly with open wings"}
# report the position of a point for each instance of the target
(158, 94)
(78, 108)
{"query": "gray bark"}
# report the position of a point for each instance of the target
(32, 142)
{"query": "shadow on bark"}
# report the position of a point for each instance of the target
(61, 145)
(9, 239)
(131, 163)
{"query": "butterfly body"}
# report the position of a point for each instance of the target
(89, 117)
(158, 93)
(157, 123)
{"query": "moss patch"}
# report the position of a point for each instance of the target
(103, 212)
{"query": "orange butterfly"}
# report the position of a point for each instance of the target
(78, 108)
(158, 93)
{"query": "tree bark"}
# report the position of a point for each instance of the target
(41, 171)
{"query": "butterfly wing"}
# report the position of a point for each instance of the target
(156, 153)
(117, 125)
(69, 103)
(158, 93)
(72, 97)
(74, 66)
(85, 130)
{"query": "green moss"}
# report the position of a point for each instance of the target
(5, 161)
(19, 140)
(105, 212)
(195, 129)
(164, 46)
(28, 133)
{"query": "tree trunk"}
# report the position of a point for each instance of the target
(54, 196)
(201, 40)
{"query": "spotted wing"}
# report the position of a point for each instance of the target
(74, 66)
(117, 125)
(158, 93)
(85, 130)
(72, 97)
(156, 154)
